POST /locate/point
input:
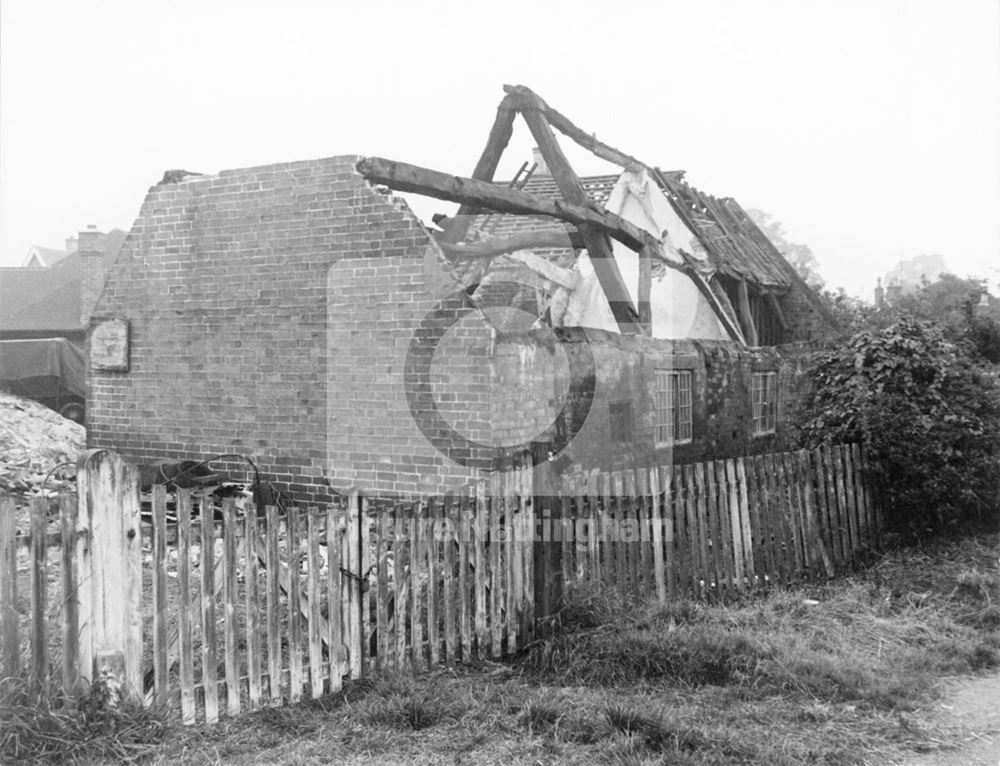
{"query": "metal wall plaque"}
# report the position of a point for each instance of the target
(109, 345)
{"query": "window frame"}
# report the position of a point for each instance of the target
(764, 408)
(668, 397)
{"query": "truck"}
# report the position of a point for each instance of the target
(49, 370)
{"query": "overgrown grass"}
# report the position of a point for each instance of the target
(37, 728)
(832, 674)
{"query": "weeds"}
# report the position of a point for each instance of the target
(49, 728)
(864, 641)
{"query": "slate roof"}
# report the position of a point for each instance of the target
(49, 256)
(41, 298)
(49, 298)
(734, 244)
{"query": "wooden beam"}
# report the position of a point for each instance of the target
(702, 284)
(528, 99)
(500, 133)
(645, 288)
(529, 240)
(599, 249)
(776, 308)
(557, 274)
(432, 183)
(727, 307)
(746, 318)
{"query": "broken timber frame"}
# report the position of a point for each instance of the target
(594, 222)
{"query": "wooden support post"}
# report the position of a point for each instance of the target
(746, 318)
(645, 288)
(599, 249)
(547, 550)
(112, 566)
(772, 298)
(500, 133)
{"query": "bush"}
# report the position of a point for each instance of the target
(927, 415)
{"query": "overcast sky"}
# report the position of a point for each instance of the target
(870, 128)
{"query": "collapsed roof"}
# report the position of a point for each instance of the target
(618, 249)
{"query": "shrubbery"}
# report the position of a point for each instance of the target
(928, 415)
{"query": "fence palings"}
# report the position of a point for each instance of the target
(448, 591)
(68, 508)
(313, 635)
(453, 581)
(252, 597)
(10, 647)
(660, 568)
(185, 622)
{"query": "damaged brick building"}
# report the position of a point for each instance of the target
(301, 315)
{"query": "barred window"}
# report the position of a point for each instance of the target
(673, 407)
(765, 402)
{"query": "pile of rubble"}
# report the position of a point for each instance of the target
(33, 441)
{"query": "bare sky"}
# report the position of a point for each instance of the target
(870, 128)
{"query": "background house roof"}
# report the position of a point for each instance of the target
(41, 257)
(48, 299)
(41, 298)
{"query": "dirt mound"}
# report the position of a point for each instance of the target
(33, 440)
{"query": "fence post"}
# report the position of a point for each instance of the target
(353, 583)
(110, 590)
(10, 651)
(548, 585)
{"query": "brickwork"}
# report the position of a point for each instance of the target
(90, 246)
(225, 282)
(626, 374)
(295, 315)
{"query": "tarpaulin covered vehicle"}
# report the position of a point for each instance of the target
(49, 370)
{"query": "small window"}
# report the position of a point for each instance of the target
(765, 402)
(673, 407)
(621, 421)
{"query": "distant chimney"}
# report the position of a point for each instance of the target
(879, 294)
(893, 293)
(71, 244)
(90, 245)
(983, 306)
(538, 159)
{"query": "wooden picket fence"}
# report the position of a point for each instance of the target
(715, 528)
(213, 608)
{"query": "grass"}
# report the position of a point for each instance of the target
(839, 673)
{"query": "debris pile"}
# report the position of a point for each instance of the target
(33, 441)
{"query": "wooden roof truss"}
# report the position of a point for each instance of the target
(593, 223)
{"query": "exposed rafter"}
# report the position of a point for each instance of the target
(403, 176)
(525, 98)
(594, 223)
(530, 240)
(500, 133)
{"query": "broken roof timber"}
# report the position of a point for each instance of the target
(403, 176)
(528, 99)
(601, 254)
(525, 241)
(500, 133)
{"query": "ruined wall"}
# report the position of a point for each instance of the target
(293, 314)
(230, 284)
(625, 377)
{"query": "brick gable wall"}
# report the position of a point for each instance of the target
(230, 284)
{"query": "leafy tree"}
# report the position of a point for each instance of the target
(927, 415)
(954, 304)
(800, 256)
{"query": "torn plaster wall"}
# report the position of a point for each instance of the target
(679, 309)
